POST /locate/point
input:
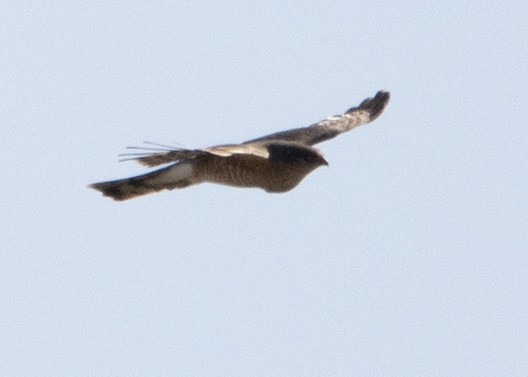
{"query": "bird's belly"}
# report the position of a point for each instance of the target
(257, 173)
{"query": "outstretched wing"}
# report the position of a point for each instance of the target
(155, 156)
(329, 128)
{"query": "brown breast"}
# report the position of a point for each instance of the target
(250, 171)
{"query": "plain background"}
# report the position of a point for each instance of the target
(407, 256)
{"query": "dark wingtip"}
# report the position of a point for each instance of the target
(108, 190)
(382, 96)
(375, 105)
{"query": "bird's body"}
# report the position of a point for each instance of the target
(252, 171)
(275, 163)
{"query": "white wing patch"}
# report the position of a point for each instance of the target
(229, 150)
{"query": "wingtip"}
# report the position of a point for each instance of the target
(377, 104)
(108, 191)
(382, 95)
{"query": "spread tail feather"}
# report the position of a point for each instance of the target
(179, 175)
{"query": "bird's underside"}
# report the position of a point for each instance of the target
(275, 163)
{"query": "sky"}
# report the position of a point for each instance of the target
(406, 256)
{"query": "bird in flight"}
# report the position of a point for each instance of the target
(275, 163)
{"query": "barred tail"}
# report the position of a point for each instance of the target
(179, 175)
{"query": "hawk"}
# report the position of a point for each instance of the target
(275, 163)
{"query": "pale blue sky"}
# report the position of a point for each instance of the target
(407, 256)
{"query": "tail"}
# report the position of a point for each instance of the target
(179, 175)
